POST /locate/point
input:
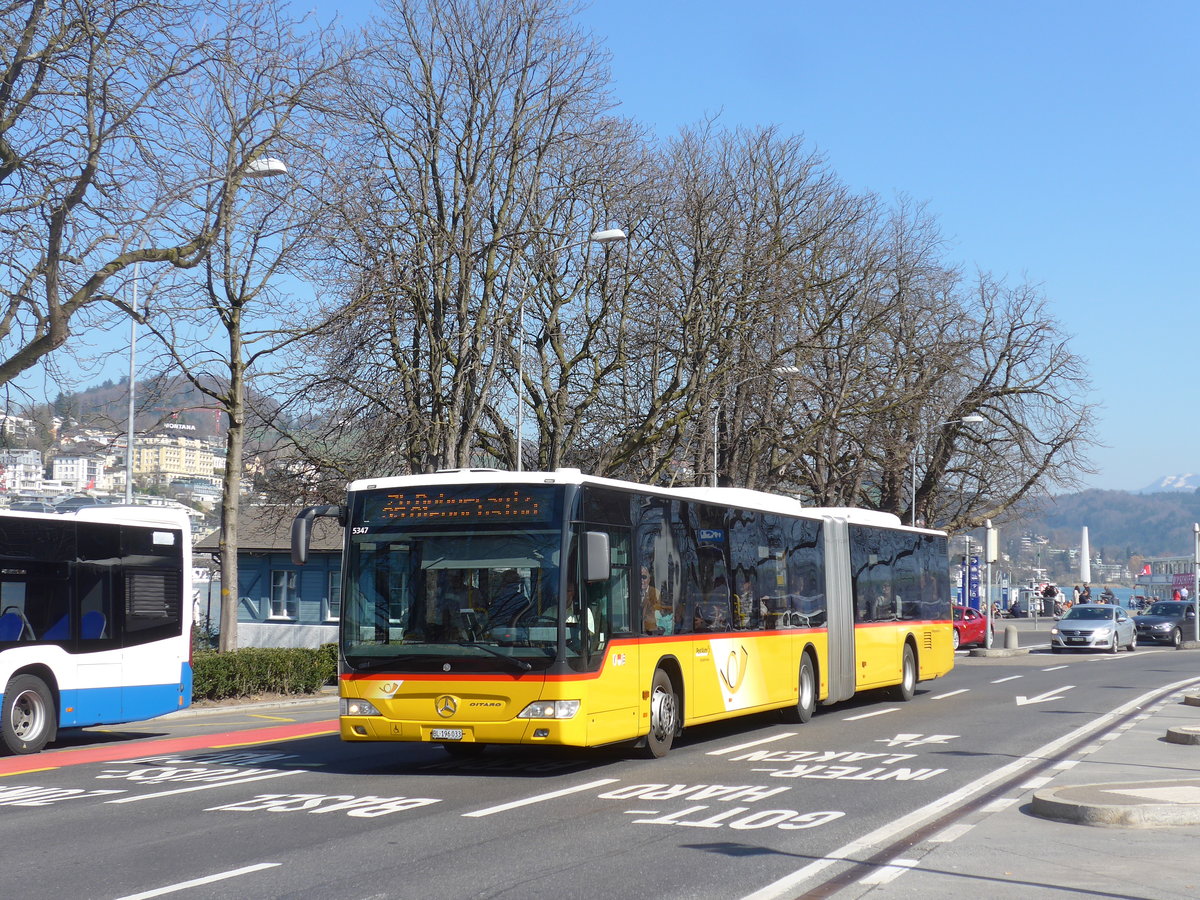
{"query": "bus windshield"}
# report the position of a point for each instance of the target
(480, 596)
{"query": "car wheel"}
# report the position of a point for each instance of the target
(1132, 645)
(956, 641)
(1176, 638)
(1114, 647)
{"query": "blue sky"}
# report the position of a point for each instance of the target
(1054, 141)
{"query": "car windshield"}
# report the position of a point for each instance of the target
(1089, 612)
(1167, 609)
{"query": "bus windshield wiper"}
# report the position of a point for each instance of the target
(519, 663)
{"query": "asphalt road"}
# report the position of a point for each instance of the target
(267, 802)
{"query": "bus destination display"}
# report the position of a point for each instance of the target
(462, 505)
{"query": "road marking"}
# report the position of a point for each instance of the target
(1007, 678)
(1055, 694)
(788, 884)
(951, 834)
(202, 787)
(890, 872)
(208, 879)
(778, 737)
(951, 694)
(878, 712)
(529, 801)
(1055, 668)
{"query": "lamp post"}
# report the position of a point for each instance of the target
(965, 420)
(777, 370)
(137, 266)
(603, 236)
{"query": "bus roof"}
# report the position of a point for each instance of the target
(724, 496)
(164, 516)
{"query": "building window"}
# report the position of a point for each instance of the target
(285, 602)
(333, 602)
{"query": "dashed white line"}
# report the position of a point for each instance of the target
(878, 712)
(1007, 678)
(778, 737)
(529, 801)
(951, 694)
(196, 882)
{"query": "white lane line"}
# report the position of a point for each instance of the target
(891, 871)
(878, 712)
(1055, 668)
(951, 834)
(787, 885)
(1007, 678)
(202, 787)
(196, 882)
(529, 801)
(778, 737)
(951, 694)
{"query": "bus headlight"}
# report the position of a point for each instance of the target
(550, 709)
(358, 708)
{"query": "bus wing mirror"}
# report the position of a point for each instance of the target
(596, 559)
(302, 528)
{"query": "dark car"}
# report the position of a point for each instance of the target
(1167, 622)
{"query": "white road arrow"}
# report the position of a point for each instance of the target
(1055, 694)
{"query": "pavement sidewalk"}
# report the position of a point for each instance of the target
(1120, 818)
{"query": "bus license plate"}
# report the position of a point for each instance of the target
(446, 734)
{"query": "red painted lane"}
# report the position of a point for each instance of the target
(57, 759)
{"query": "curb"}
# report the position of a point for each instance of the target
(313, 700)
(999, 652)
(1147, 804)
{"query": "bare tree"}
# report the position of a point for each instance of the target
(92, 180)
(262, 90)
(461, 110)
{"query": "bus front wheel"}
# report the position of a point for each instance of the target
(806, 699)
(664, 716)
(908, 676)
(27, 722)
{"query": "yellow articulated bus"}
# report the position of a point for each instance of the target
(485, 607)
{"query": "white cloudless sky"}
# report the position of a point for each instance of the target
(1056, 142)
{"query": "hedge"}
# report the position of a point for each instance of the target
(262, 670)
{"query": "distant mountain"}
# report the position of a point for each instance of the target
(1120, 524)
(1173, 484)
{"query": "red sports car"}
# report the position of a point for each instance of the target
(970, 627)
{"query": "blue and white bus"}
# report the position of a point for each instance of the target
(95, 619)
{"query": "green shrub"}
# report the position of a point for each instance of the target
(262, 670)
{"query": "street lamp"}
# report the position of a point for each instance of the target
(965, 420)
(604, 236)
(777, 370)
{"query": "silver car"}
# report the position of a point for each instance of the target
(1094, 626)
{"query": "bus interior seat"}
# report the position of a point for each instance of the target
(59, 631)
(92, 624)
(12, 626)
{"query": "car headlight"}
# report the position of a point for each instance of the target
(550, 709)
(358, 708)
(1162, 626)
(1106, 631)
(1054, 631)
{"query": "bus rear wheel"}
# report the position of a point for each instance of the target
(27, 721)
(806, 694)
(907, 687)
(664, 716)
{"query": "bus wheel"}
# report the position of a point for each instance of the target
(463, 751)
(664, 716)
(27, 722)
(908, 677)
(806, 699)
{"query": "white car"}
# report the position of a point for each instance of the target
(1094, 626)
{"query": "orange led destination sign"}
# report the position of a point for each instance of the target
(462, 505)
